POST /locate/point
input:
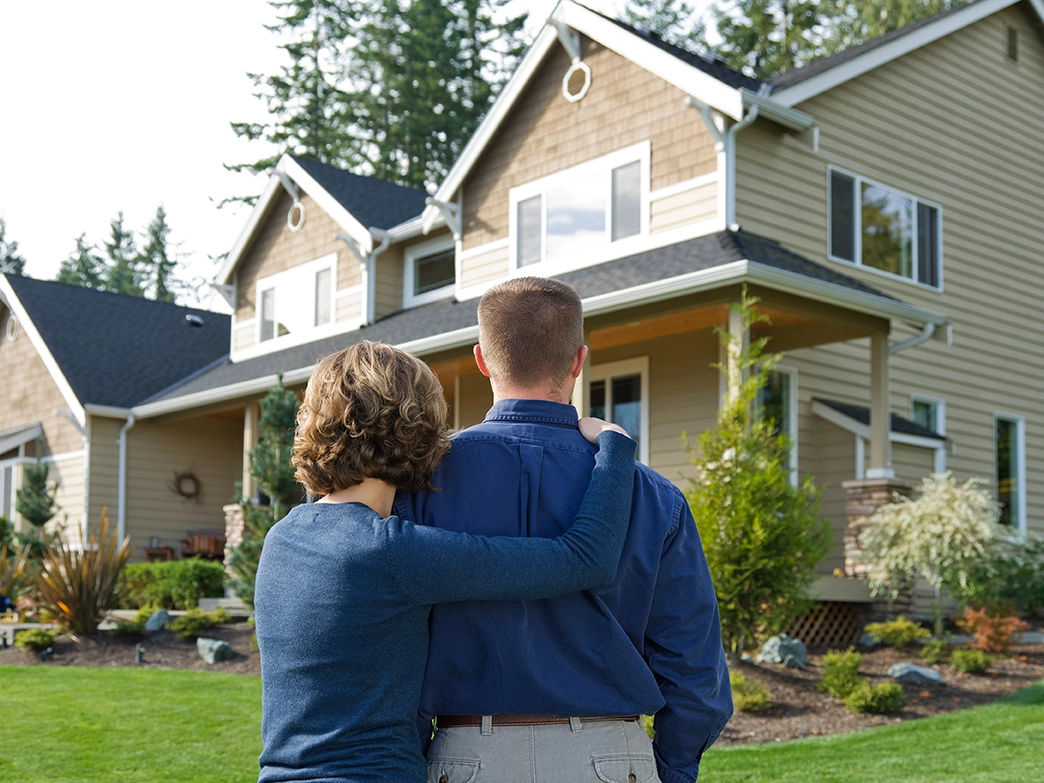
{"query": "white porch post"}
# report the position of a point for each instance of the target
(880, 410)
(249, 439)
(735, 347)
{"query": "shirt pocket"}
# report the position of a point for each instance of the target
(625, 768)
(450, 770)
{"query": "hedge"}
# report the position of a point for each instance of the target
(177, 584)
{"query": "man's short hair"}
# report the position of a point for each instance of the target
(370, 411)
(530, 329)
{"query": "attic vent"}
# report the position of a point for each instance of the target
(295, 217)
(12, 328)
(1013, 44)
(193, 320)
(576, 82)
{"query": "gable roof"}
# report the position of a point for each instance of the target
(116, 350)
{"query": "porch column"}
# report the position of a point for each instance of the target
(582, 386)
(737, 344)
(880, 410)
(250, 415)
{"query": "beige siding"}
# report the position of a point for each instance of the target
(474, 399)
(691, 206)
(68, 473)
(30, 395)
(949, 123)
(389, 282)
(349, 305)
(485, 267)
(545, 133)
(275, 248)
(828, 453)
(244, 335)
(209, 447)
(103, 469)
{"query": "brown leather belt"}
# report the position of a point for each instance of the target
(506, 719)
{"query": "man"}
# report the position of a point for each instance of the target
(508, 681)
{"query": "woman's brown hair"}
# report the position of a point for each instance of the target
(370, 411)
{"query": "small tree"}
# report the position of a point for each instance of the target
(942, 536)
(761, 534)
(270, 466)
(35, 499)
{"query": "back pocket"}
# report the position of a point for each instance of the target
(622, 768)
(447, 770)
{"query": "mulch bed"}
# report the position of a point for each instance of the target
(799, 709)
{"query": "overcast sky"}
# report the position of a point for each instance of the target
(126, 105)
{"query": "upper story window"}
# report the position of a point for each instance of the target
(884, 229)
(430, 271)
(572, 217)
(297, 301)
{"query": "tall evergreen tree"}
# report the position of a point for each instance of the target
(854, 23)
(123, 273)
(158, 259)
(11, 262)
(674, 21)
(35, 499)
(84, 267)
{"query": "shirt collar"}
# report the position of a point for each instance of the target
(537, 411)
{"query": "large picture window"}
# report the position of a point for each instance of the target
(296, 301)
(881, 228)
(1010, 459)
(581, 211)
(620, 394)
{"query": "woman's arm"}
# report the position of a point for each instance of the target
(438, 566)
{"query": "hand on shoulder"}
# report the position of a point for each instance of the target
(591, 427)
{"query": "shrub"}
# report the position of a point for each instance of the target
(11, 569)
(1013, 574)
(76, 586)
(897, 633)
(879, 699)
(135, 627)
(748, 695)
(992, 634)
(194, 621)
(841, 673)
(970, 661)
(934, 650)
(35, 499)
(35, 639)
(178, 584)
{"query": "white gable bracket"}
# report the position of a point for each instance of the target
(450, 213)
(569, 38)
(289, 185)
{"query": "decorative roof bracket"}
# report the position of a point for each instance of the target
(569, 38)
(450, 213)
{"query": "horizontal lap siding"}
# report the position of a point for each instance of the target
(485, 267)
(951, 123)
(68, 474)
(104, 469)
(389, 282)
(349, 305)
(682, 209)
(828, 453)
(544, 133)
(474, 400)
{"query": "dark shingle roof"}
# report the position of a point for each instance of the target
(442, 317)
(862, 415)
(373, 202)
(119, 350)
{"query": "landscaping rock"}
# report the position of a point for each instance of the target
(866, 640)
(912, 674)
(214, 650)
(782, 649)
(157, 621)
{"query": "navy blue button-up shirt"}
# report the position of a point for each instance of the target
(648, 643)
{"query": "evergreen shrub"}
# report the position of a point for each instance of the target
(897, 633)
(841, 673)
(748, 694)
(934, 650)
(177, 584)
(35, 639)
(195, 621)
(970, 661)
(880, 699)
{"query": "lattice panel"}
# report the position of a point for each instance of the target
(828, 624)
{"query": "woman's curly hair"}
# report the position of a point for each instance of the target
(370, 411)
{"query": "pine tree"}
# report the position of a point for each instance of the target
(83, 267)
(35, 499)
(11, 263)
(158, 260)
(674, 21)
(123, 273)
(854, 23)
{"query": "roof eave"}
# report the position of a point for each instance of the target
(789, 118)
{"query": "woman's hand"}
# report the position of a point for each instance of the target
(590, 427)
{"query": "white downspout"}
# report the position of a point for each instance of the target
(925, 335)
(368, 263)
(725, 143)
(121, 484)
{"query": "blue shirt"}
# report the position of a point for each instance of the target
(342, 605)
(648, 643)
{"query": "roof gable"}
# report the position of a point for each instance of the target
(116, 350)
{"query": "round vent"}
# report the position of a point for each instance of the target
(12, 328)
(576, 82)
(295, 217)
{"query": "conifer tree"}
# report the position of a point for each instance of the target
(123, 272)
(674, 21)
(157, 259)
(84, 267)
(35, 499)
(11, 263)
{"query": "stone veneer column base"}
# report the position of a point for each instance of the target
(234, 530)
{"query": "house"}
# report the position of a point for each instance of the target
(881, 204)
(73, 364)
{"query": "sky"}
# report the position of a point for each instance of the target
(123, 105)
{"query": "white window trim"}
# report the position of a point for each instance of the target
(940, 417)
(420, 250)
(1020, 455)
(308, 335)
(638, 366)
(792, 416)
(640, 152)
(858, 246)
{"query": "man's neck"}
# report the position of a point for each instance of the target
(508, 392)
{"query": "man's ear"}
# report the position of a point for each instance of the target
(480, 361)
(578, 361)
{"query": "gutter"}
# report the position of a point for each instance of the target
(121, 483)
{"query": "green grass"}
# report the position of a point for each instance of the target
(998, 743)
(84, 725)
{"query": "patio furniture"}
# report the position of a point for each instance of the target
(208, 544)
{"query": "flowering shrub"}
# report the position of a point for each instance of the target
(992, 634)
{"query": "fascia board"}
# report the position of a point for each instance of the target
(224, 274)
(414, 227)
(784, 115)
(497, 114)
(23, 436)
(27, 325)
(695, 82)
(329, 204)
(108, 411)
(881, 55)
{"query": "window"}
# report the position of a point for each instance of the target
(295, 302)
(777, 402)
(580, 212)
(881, 228)
(430, 271)
(1010, 456)
(929, 413)
(620, 394)
(7, 505)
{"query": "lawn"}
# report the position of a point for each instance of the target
(87, 725)
(998, 743)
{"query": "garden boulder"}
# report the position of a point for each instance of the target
(912, 674)
(782, 649)
(214, 650)
(157, 621)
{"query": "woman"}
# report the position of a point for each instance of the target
(344, 589)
